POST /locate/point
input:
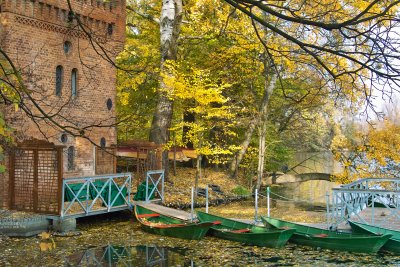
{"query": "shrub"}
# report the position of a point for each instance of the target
(240, 190)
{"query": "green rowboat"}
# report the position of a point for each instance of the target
(246, 233)
(393, 244)
(316, 237)
(167, 226)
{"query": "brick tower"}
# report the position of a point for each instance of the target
(64, 50)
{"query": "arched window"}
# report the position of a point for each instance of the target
(70, 158)
(59, 79)
(74, 82)
(102, 142)
(67, 47)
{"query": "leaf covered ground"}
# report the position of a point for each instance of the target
(178, 188)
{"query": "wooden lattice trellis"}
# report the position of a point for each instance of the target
(36, 177)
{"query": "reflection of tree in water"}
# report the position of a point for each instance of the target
(150, 256)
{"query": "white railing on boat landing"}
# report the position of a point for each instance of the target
(154, 180)
(119, 256)
(83, 196)
(379, 198)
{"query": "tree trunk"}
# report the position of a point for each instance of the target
(244, 146)
(268, 89)
(170, 24)
(198, 176)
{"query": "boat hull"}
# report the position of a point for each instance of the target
(393, 244)
(254, 235)
(168, 226)
(320, 238)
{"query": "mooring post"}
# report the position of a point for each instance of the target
(373, 208)
(206, 198)
(327, 210)
(192, 206)
(256, 205)
(268, 212)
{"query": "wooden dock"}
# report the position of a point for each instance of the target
(180, 214)
(381, 217)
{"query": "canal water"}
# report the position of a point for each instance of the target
(118, 241)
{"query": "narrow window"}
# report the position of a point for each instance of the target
(74, 81)
(70, 157)
(110, 29)
(67, 47)
(59, 80)
(102, 142)
(109, 104)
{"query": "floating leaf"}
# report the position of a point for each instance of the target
(45, 235)
(47, 246)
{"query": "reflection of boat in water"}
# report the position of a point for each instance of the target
(110, 255)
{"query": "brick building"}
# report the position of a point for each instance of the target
(65, 55)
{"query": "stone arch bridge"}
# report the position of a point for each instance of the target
(297, 178)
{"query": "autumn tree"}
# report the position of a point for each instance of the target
(226, 44)
(368, 153)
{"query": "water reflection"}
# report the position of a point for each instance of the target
(148, 256)
(313, 192)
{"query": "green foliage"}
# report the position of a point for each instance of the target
(5, 139)
(303, 112)
(241, 191)
(277, 155)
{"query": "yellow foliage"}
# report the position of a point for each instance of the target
(371, 151)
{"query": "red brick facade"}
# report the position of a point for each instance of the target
(41, 36)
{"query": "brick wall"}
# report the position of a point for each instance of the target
(34, 33)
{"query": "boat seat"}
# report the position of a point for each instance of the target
(246, 230)
(321, 235)
(149, 215)
(217, 222)
(170, 225)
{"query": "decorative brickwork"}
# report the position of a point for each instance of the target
(56, 28)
